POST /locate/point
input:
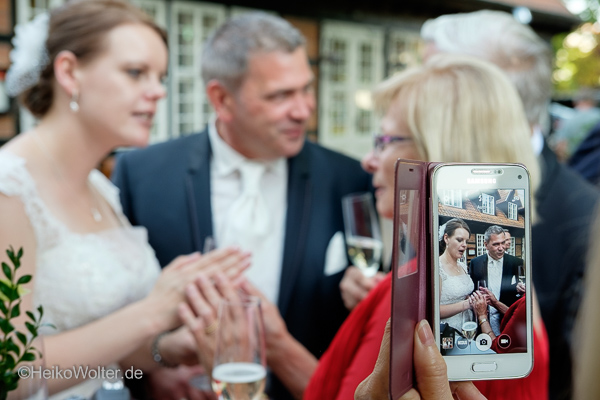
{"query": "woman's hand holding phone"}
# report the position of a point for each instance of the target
(430, 370)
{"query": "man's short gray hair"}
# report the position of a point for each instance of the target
(499, 38)
(226, 52)
(492, 230)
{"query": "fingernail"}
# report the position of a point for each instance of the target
(425, 334)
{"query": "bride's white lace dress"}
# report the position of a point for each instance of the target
(455, 289)
(81, 277)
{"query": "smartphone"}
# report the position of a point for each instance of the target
(481, 248)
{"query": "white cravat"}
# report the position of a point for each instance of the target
(495, 286)
(226, 187)
(249, 215)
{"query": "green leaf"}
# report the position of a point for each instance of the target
(30, 315)
(3, 308)
(9, 361)
(7, 271)
(7, 290)
(16, 310)
(24, 279)
(12, 347)
(31, 328)
(41, 311)
(6, 326)
(22, 338)
(28, 356)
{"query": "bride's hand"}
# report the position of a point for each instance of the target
(169, 289)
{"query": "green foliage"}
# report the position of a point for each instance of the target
(577, 62)
(15, 346)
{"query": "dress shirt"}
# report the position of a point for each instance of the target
(226, 187)
(495, 285)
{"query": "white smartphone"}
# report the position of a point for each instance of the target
(481, 248)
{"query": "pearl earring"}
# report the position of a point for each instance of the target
(73, 104)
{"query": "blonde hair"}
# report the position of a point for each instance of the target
(461, 109)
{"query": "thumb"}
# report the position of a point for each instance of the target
(430, 367)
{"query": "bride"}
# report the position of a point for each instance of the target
(94, 84)
(455, 282)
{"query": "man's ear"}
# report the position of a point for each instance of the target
(222, 100)
(67, 73)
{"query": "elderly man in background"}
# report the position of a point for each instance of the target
(251, 178)
(565, 203)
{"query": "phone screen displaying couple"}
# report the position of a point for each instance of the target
(481, 234)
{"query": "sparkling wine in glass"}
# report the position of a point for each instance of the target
(521, 272)
(363, 237)
(469, 326)
(239, 371)
(481, 284)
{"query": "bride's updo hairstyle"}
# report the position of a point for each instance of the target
(80, 27)
(448, 228)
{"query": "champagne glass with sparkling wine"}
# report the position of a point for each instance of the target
(469, 326)
(240, 362)
(363, 238)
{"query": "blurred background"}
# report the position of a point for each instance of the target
(352, 44)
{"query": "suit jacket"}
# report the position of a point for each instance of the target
(166, 188)
(508, 290)
(566, 205)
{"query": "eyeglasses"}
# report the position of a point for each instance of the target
(382, 140)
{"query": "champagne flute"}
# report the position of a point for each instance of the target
(469, 326)
(481, 284)
(363, 237)
(239, 371)
(521, 272)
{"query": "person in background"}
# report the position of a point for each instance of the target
(565, 202)
(574, 130)
(422, 120)
(251, 179)
(92, 72)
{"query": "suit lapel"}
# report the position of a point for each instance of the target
(296, 224)
(197, 188)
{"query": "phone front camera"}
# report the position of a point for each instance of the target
(519, 176)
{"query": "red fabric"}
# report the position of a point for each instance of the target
(351, 355)
(535, 386)
(353, 352)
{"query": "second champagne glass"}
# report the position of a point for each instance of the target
(363, 237)
(469, 326)
(239, 371)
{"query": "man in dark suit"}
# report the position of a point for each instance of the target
(259, 82)
(500, 272)
(565, 202)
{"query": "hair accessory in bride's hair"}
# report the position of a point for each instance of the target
(441, 232)
(29, 56)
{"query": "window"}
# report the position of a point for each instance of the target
(452, 198)
(351, 64)
(488, 205)
(191, 23)
(513, 211)
(480, 244)
(404, 50)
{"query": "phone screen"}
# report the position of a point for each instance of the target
(481, 236)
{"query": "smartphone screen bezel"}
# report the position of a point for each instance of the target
(490, 176)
